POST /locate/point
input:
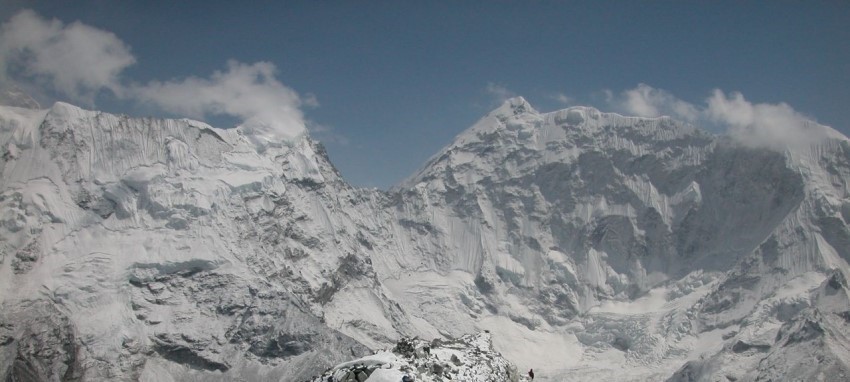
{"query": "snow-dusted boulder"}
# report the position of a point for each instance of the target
(470, 358)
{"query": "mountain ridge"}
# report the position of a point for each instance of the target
(588, 243)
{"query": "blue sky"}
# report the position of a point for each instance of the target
(385, 85)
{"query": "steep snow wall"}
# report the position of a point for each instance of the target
(166, 248)
(558, 218)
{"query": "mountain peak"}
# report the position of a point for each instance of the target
(14, 96)
(513, 106)
(516, 132)
(592, 245)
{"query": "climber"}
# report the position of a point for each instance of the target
(531, 374)
(407, 378)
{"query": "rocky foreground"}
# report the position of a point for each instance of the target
(469, 358)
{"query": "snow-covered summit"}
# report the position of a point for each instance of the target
(511, 107)
(577, 215)
(516, 132)
(142, 236)
(11, 95)
(593, 245)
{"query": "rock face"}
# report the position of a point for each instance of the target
(595, 246)
(809, 345)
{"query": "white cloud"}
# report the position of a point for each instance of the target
(774, 126)
(562, 98)
(78, 61)
(770, 125)
(499, 92)
(270, 110)
(75, 59)
(647, 101)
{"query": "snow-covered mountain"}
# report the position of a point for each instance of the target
(591, 245)
(11, 95)
(139, 249)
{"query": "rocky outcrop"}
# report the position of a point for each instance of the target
(470, 358)
(39, 343)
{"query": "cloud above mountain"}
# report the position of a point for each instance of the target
(75, 59)
(647, 101)
(79, 61)
(753, 124)
(775, 125)
(269, 109)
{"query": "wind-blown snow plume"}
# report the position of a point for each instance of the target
(78, 61)
(75, 59)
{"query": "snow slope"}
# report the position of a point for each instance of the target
(591, 246)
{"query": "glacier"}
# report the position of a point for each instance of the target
(590, 245)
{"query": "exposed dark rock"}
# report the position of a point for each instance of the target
(46, 347)
(185, 355)
(741, 346)
(621, 343)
